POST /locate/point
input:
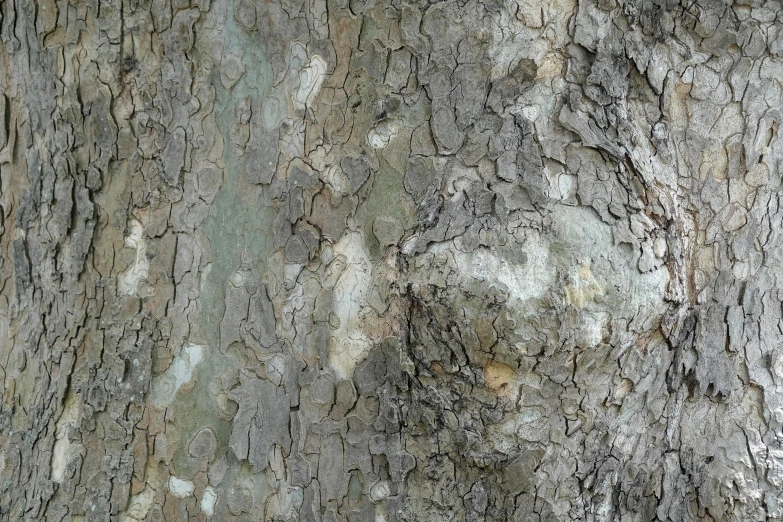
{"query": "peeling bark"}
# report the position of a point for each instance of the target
(318, 260)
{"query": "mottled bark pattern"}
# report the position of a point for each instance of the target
(356, 260)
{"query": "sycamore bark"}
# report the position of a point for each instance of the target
(366, 260)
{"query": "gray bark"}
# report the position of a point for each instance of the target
(356, 260)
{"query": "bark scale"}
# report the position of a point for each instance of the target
(321, 260)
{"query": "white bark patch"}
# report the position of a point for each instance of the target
(532, 280)
(531, 112)
(311, 77)
(349, 343)
(382, 134)
(208, 501)
(165, 386)
(181, 488)
(380, 491)
(601, 281)
(128, 281)
(62, 446)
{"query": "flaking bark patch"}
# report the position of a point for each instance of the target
(392, 261)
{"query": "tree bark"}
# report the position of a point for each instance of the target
(356, 260)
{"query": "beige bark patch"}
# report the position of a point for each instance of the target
(140, 504)
(583, 286)
(500, 378)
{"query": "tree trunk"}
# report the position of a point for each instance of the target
(356, 260)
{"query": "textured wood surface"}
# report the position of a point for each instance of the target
(356, 260)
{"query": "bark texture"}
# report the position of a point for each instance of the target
(366, 260)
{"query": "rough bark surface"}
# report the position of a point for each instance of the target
(366, 260)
